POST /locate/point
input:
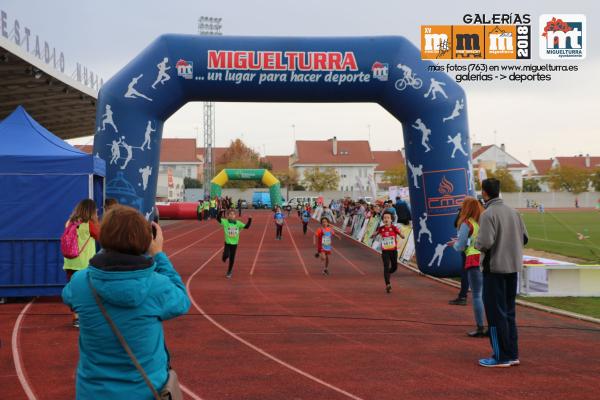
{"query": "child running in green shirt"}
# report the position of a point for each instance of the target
(232, 227)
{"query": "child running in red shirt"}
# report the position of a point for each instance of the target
(389, 247)
(324, 236)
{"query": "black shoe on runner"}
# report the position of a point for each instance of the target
(388, 288)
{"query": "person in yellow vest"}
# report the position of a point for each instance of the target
(213, 207)
(205, 208)
(199, 210)
(468, 229)
(85, 217)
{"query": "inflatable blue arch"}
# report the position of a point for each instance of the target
(176, 69)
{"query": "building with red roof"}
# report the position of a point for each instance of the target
(494, 157)
(351, 159)
(538, 169)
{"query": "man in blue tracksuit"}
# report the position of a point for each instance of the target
(502, 235)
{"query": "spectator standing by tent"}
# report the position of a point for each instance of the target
(84, 221)
(502, 235)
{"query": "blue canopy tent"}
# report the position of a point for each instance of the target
(42, 178)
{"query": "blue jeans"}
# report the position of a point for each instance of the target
(476, 283)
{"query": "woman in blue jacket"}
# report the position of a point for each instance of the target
(140, 289)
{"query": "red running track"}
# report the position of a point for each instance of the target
(281, 330)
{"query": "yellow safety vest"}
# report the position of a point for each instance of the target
(471, 250)
(213, 204)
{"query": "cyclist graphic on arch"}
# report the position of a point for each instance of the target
(409, 79)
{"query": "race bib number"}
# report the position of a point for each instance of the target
(232, 231)
(388, 243)
(326, 242)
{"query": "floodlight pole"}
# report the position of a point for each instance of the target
(209, 26)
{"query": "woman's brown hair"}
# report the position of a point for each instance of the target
(125, 230)
(84, 211)
(471, 208)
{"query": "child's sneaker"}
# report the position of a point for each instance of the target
(515, 362)
(388, 288)
(325, 271)
(228, 275)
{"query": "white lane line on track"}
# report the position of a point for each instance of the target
(259, 247)
(254, 347)
(360, 271)
(189, 392)
(296, 248)
(183, 234)
(196, 242)
(17, 357)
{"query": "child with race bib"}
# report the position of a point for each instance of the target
(324, 236)
(305, 216)
(278, 217)
(389, 247)
(232, 227)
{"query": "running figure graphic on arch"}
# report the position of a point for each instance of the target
(416, 173)
(457, 142)
(458, 106)
(438, 254)
(435, 87)
(147, 134)
(423, 228)
(108, 119)
(162, 72)
(426, 132)
(132, 93)
(129, 150)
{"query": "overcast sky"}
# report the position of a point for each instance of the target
(534, 120)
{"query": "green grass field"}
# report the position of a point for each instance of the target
(582, 305)
(556, 232)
